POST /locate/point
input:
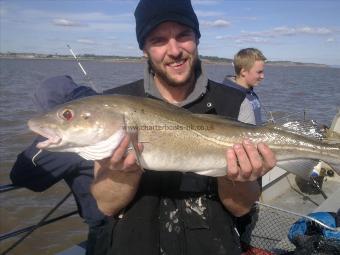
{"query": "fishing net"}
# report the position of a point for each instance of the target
(269, 235)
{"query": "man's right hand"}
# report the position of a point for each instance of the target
(116, 179)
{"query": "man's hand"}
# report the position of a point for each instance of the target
(239, 189)
(116, 179)
(246, 162)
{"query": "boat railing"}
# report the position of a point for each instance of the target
(27, 231)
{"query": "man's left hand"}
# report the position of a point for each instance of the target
(247, 162)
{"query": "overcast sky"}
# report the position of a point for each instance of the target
(299, 30)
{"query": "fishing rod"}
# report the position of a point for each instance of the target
(39, 224)
(87, 78)
(29, 228)
(8, 187)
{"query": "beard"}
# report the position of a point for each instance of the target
(169, 80)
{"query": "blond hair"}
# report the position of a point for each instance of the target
(246, 58)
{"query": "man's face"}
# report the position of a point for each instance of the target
(255, 74)
(172, 52)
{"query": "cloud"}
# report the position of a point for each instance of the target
(216, 23)
(86, 41)
(112, 38)
(331, 40)
(315, 31)
(244, 39)
(200, 13)
(97, 16)
(40, 18)
(67, 23)
(267, 36)
(205, 2)
(291, 31)
(3, 11)
(253, 18)
(252, 40)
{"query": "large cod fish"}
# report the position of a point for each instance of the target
(173, 138)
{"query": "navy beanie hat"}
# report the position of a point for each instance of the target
(151, 13)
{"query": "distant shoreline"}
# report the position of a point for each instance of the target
(122, 59)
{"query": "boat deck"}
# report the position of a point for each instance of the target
(293, 196)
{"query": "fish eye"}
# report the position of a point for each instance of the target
(67, 114)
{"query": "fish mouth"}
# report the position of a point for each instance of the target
(50, 142)
(53, 140)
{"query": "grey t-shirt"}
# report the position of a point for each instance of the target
(246, 113)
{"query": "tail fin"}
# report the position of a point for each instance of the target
(300, 167)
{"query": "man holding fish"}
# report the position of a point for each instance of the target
(192, 188)
(171, 212)
(186, 200)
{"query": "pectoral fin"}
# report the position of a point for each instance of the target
(132, 131)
